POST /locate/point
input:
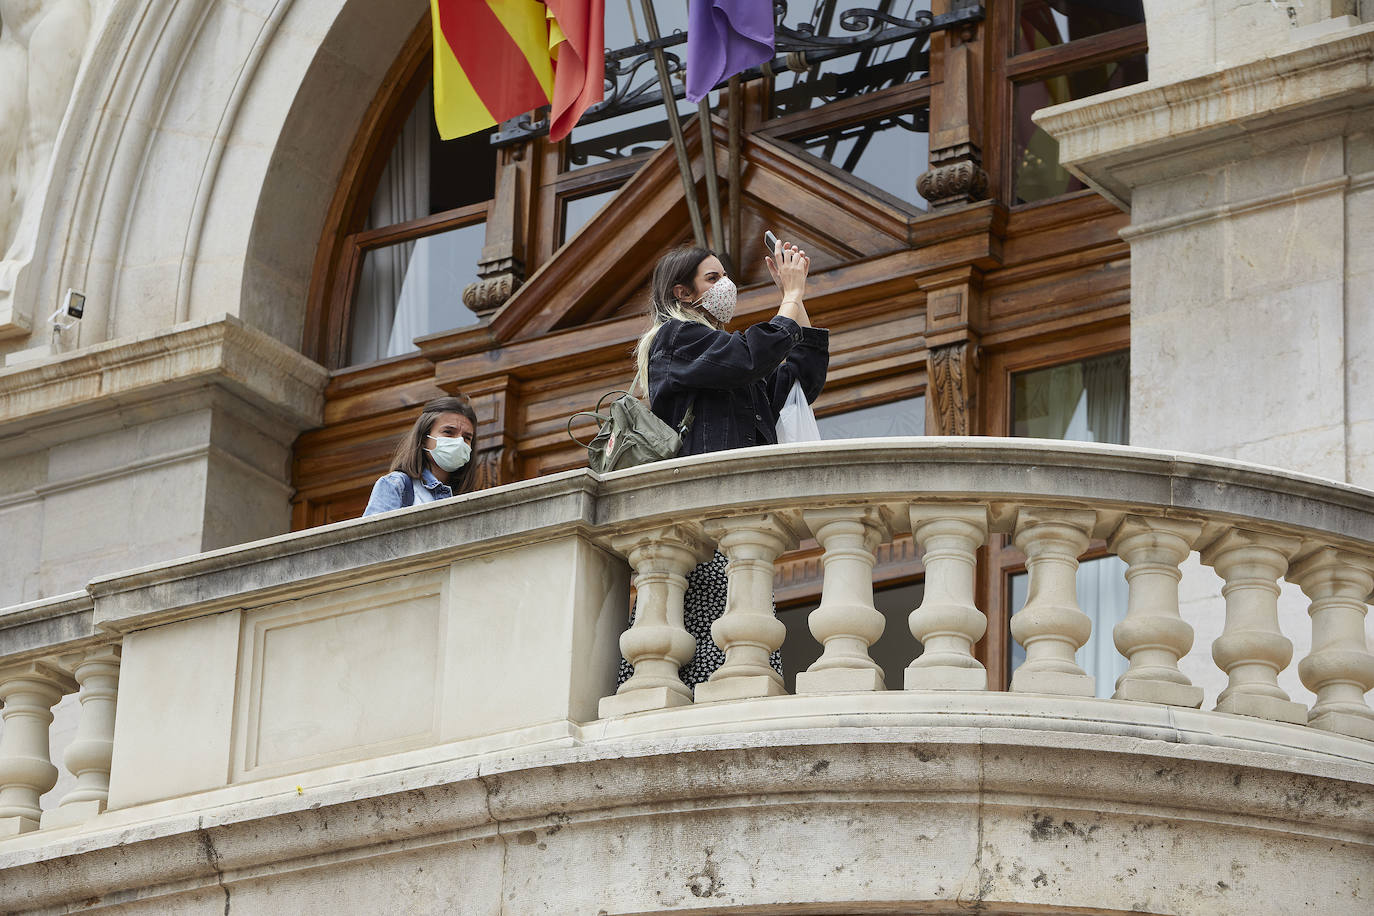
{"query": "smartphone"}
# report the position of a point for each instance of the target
(771, 241)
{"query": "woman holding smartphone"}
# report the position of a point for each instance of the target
(734, 383)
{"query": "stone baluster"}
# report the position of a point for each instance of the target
(846, 622)
(1153, 637)
(1251, 649)
(1340, 668)
(657, 644)
(29, 692)
(947, 623)
(88, 756)
(1051, 626)
(748, 632)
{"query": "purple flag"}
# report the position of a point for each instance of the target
(725, 37)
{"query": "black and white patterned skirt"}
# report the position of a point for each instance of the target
(703, 604)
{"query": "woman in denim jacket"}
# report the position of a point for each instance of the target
(735, 384)
(432, 461)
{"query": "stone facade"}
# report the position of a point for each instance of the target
(174, 159)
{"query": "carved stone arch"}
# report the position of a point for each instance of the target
(198, 158)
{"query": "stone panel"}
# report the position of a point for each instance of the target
(514, 616)
(348, 674)
(176, 703)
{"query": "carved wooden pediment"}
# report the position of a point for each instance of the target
(604, 270)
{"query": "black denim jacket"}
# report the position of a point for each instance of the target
(735, 382)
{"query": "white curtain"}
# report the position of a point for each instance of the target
(1106, 380)
(402, 194)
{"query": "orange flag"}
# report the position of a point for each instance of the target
(497, 59)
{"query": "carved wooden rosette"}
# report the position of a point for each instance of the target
(490, 293)
(955, 182)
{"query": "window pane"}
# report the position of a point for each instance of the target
(854, 74)
(1046, 23)
(1102, 594)
(889, 152)
(411, 289)
(895, 418)
(1084, 401)
(893, 651)
(579, 211)
(1037, 173)
(426, 175)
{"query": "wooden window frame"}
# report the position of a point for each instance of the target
(1010, 69)
(1000, 559)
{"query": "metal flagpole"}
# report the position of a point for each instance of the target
(708, 155)
(736, 213)
(675, 127)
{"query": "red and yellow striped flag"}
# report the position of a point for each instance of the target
(496, 59)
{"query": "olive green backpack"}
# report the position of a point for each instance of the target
(628, 434)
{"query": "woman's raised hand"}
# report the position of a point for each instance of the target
(789, 267)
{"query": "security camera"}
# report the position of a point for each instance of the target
(75, 303)
(73, 307)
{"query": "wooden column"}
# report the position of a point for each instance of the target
(953, 307)
(496, 400)
(501, 269)
(956, 174)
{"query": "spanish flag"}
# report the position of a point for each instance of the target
(496, 59)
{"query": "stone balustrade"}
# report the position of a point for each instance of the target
(495, 620)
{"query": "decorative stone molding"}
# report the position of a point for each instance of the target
(1027, 795)
(1121, 139)
(223, 351)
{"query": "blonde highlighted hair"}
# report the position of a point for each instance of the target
(678, 266)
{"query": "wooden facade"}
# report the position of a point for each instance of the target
(946, 302)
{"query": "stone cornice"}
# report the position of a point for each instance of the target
(223, 352)
(1102, 137)
(1019, 784)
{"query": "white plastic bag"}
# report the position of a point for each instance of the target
(796, 422)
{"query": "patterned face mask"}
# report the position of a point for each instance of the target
(719, 300)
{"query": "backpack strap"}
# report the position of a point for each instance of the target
(407, 490)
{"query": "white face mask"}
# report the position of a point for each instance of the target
(719, 300)
(450, 454)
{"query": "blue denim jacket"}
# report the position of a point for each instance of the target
(736, 383)
(389, 492)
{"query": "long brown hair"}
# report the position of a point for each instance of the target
(410, 455)
(677, 266)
